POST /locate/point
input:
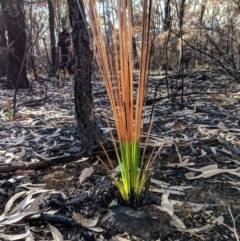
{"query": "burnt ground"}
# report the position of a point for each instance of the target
(52, 189)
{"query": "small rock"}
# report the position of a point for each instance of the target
(125, 219)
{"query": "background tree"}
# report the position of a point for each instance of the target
(167, 15)
(15, 22)
(88, 130)
(3, 48)
(65, 45)
(52, 38)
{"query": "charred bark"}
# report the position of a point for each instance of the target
(15, 23)
(3, 49)
(65, 44)
(52, 39)
(135, 53)
(167, 15)
(203, 10)
(88, 130)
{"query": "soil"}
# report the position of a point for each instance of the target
(193, 193)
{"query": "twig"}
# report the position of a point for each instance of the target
(177, 150)
(234, 230)
(47, 162)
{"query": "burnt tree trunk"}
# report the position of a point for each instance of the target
(65, 44)
(167, 15)
(3, 49)
(15, 23)
(52, 38)
(88, 130)
(203, 10)
(135, 53)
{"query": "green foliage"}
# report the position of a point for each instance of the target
(158, 71)
(9, 110)
(64, 19)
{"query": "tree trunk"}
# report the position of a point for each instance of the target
(65, 44)
(3, 49)
(15, 22)
(167, 15)
(89, 132)
(52, 38)
(203, 10)
(135, 53)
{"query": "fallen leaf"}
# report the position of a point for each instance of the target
(203, 153)
(177, 164)
(219, 220)
(177, 223)
(200, 229)
(18, 140)
(83, 159)
(166, 205)
(106, 129)
(222, 126)
(190, 175)
(177, 126)
(12, 200)
(158, 190)
(15, 236)
(35, 204)
(57, 132)
(21, 205)
(88, 223)
(114, 202)
(118, 238)
(196, 207)
(21, 154)
(158, 182)
(15, 218)
(86, 172)
(55, 233)
(209, 171)
(95, 163)
(96, 229)
(214, 150)
(30, 237)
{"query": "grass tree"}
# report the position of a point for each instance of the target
(113, 49)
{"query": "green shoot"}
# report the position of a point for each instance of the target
(9, 110)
